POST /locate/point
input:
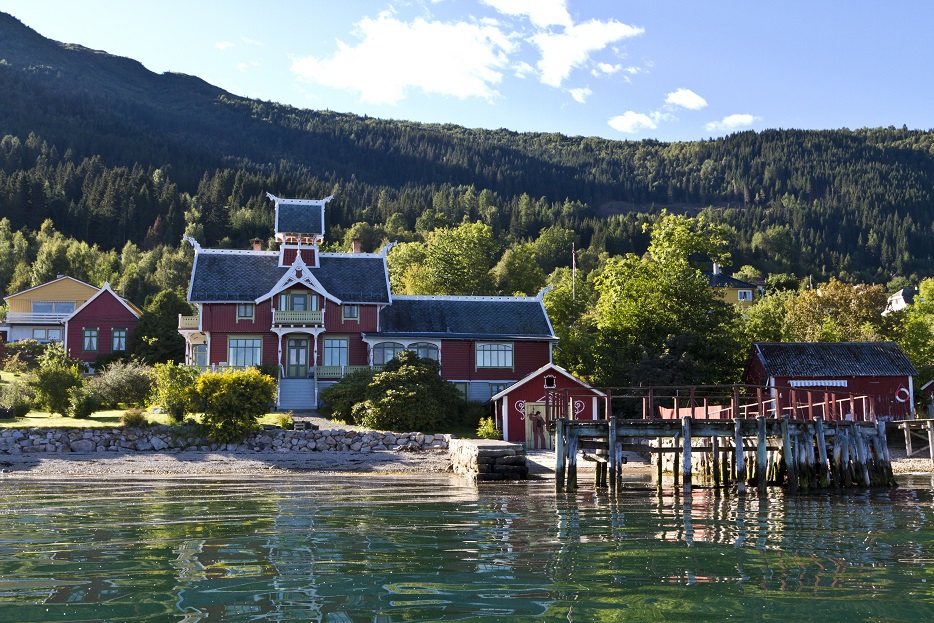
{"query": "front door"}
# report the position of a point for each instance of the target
(296, 358)
(536, 428)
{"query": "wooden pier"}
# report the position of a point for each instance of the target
(922, 429)
(797, 454)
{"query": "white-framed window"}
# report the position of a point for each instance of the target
(298, 300)
(245, 311)
(54, 335)
(494, 355)
(336, 351)
(53, 307)
(425, 350)
(118, 342)
(384, 351)
(199, 355)
(351, 312)
(89, 340)
(745, 295)
(244, 351)
(40, 335)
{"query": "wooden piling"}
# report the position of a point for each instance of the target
(659, 467)
(823, 471)
(930, 427)
(739, 452)
(572, 460)
(836, 470)
(560, 457)
(791, 474)
(715, 450)
(908, 449)
(612, 454)
(845, 472)
(686, 452)
(762, 453)
(862, 455)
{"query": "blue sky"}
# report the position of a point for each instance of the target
(620, 69)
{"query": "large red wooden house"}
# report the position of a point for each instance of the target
(316, 316)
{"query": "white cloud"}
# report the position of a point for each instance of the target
(223, 45)
(686, 98)
(580, 95)
(245, 66)
(523, 69)
(631, 122)
(731, 123)
(460, 59)
(606, 68)
(542, 13)
(563, 52)
(249, 41)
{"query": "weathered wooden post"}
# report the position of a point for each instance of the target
(560, 457)
(762, 453)
(845, 457)
(886, 457)
(740, 462)
(809, 436)
(612, 452)
(572, 457)
(837, 468)
(862, 455)
(676, 458)
(686, 453)
(907, 429)
(715, 448)
(822, 467)
(930, 427)
(791, 474)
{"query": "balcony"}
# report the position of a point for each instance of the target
(188, 322)
(337, 372)
(31, 318)
(287, 317)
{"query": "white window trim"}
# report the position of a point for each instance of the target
(97, 340)
(113, 339)
(231, 359)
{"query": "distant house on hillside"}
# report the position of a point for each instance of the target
(314, 317)
(876, 369)
(900, 300)
(731, 290)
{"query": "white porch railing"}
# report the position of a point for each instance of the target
(336, 372)
(31, 318)
(288, 317)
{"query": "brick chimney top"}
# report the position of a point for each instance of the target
(355, 245)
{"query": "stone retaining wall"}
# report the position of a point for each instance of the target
(488, 459)
(176, 439)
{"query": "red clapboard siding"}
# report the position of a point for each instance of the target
(222, 317)
(105, 313)
(334, 319)
(458, 361)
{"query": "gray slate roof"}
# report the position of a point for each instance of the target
(464, 317)
(839, 359)
(247, 275)
(299, 219)
(725, 281)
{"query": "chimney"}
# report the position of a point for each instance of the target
(716, 268)
(257, 244)
(355, 245)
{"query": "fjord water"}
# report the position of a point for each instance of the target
(379, 550)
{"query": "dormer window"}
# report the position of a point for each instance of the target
(298, 301)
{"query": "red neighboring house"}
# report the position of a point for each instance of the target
(316, 316)
(100, 326)
(518, 407)
(879, 370)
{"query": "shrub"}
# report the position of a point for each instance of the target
(83, 400)
(134, 418)
(487, 430)
(233, 401)
(129, 383)
(26, 354)
(409, 394)
(175, 389)
(108, 359)
(18, 396)
(340, 398)
(55, 376)
(285, 421)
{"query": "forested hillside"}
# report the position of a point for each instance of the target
(113, 153)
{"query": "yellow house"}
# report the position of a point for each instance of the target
(732, 290)
(39, 313)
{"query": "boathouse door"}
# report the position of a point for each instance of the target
(536, 428)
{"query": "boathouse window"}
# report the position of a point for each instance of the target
(384, 351)
(243, 352)
(550, 382)
(89, 340)
(745, 295)
(336, 350)
(425, 350)
(494, 355)
(245, 311)
(118, 342)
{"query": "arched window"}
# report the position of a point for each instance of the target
(426, 350)
(384, 351)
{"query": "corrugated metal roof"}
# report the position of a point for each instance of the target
(817, 359)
